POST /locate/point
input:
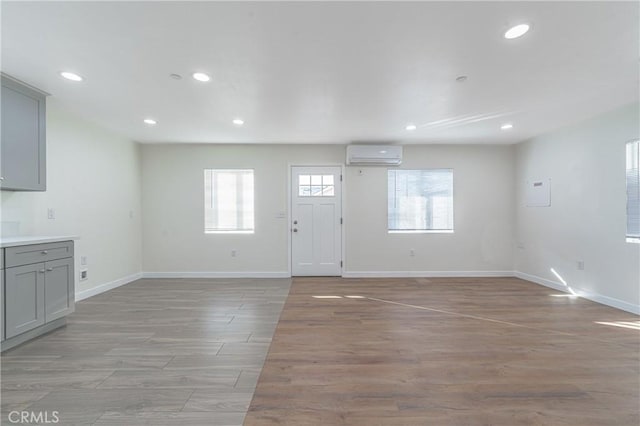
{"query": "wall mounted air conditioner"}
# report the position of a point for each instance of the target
(374, 155)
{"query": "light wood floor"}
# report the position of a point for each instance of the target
(154, 352)
(447, 352)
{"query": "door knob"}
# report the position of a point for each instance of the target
(295, 229)
(295, 222)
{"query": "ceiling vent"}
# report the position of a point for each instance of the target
(374, 155)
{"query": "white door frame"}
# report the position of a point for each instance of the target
(290, 218)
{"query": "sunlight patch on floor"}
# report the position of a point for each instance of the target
(570, 296)
(634, 325)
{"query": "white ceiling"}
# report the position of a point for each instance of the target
(327, 72)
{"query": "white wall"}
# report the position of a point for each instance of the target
(93, 183)
(174, 240)
(483, 200)
(587, 218)
(173, 206)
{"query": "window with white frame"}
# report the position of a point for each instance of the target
(228, 201)
(420, 200)
(633, 191)
(316, 186)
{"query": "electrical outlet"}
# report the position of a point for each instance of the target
(84, 274)
(234, 253)
(51, 213)
(580, 265)
(83, 260)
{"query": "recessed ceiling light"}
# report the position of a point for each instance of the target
(200, 76)
(71, 76)
(411, 127)
(461, 79)
(150, 121)
(517, 31)
(175, 76)
(506, 126)
(238, 121)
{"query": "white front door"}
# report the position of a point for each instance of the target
(316, 221)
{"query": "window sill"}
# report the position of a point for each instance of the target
(439, 231)
(229, 232)
(634, 240)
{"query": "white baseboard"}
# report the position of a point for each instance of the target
(84, 294)
(216, 275)
(542, 281)
(594, 297)
(424, 274)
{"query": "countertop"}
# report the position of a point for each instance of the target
(34, 239)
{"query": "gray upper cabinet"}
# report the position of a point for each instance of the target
(23, 138)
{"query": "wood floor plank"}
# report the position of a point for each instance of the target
(190, 418)
(219, 402)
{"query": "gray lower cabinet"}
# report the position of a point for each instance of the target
(24, 298)
(1, 295)
(38, 291)
(23, 138)
(2, 305)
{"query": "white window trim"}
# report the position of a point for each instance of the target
(230, 232)
(421, 231)
(630, 238)
(234, 231)
(427, 231)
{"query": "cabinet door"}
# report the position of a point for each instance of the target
(2, 305)
(24, 298)
(22, 143)
(59, 295)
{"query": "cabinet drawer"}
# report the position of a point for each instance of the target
(34, 253)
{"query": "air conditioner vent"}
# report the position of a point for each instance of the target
(374, 155)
